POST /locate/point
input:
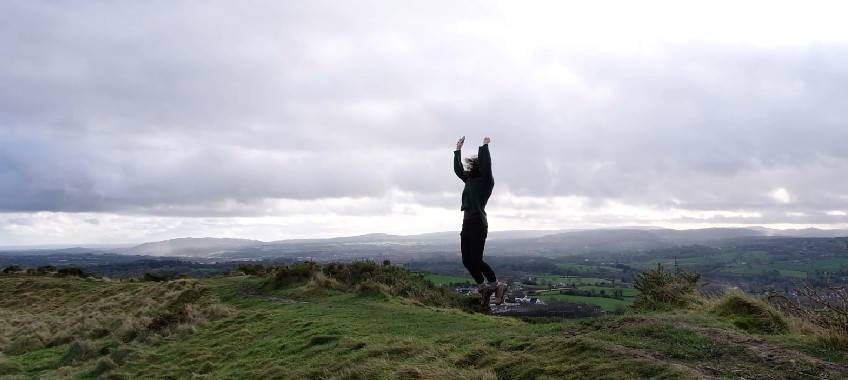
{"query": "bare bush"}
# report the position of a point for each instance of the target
(825, 308)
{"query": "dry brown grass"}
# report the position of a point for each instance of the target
(40, 312)
(7, 367)
(319, 280)
(748, 313)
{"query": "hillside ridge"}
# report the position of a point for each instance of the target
(364, 322)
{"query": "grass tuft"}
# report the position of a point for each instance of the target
(121, 354)
(367, 278)
(23, 344)
(79, 351)
(104, 364)
(751, 315)
(410, 373)
(833, 339)
(7, 367)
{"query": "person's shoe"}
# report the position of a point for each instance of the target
(485, 294)
(500, 292)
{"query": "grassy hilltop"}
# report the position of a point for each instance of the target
(365, 321)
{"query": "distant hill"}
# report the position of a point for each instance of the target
(619, 240)
(526, 242)
(513, 243)
(806, 232)
(201, 247)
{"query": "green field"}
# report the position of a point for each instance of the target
(792, 273)
(626, 292)
(587, 268)
(549, 279)
(830, 263)
(608, 304)
(756, 263)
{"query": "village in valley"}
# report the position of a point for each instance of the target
(558, 296)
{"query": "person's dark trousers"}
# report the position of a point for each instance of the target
(473, 240)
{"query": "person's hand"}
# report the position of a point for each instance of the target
(460, 142)
(486, 140)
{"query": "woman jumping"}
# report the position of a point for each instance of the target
(478, 187)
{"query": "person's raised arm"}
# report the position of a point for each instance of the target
(457, 160)
(485, 159)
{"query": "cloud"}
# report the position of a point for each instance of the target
(172, 109)
(781, 195)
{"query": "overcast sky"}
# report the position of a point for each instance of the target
(135, 121)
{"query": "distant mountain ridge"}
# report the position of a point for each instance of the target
(630, 239)
(514, 243)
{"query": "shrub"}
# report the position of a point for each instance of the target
(322, 281)
(366, 277)
(130, 330)
(171, 318)
(751, 315)
(216, 311)
(73, 272)
(45, 269)
(252, 269)
(285, 275)
(371, 287)
(369, 277)
(661, 289)
(12, 269)
(159, 277)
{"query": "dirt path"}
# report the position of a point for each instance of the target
(653, 357)
(775, 362)
(783, 357)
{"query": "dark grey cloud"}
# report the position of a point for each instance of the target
(173, 108)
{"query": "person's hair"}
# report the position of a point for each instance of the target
(473, 166)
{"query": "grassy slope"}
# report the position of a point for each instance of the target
(317, 333)
(442, 279)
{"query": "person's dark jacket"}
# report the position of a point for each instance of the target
(477, 190)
